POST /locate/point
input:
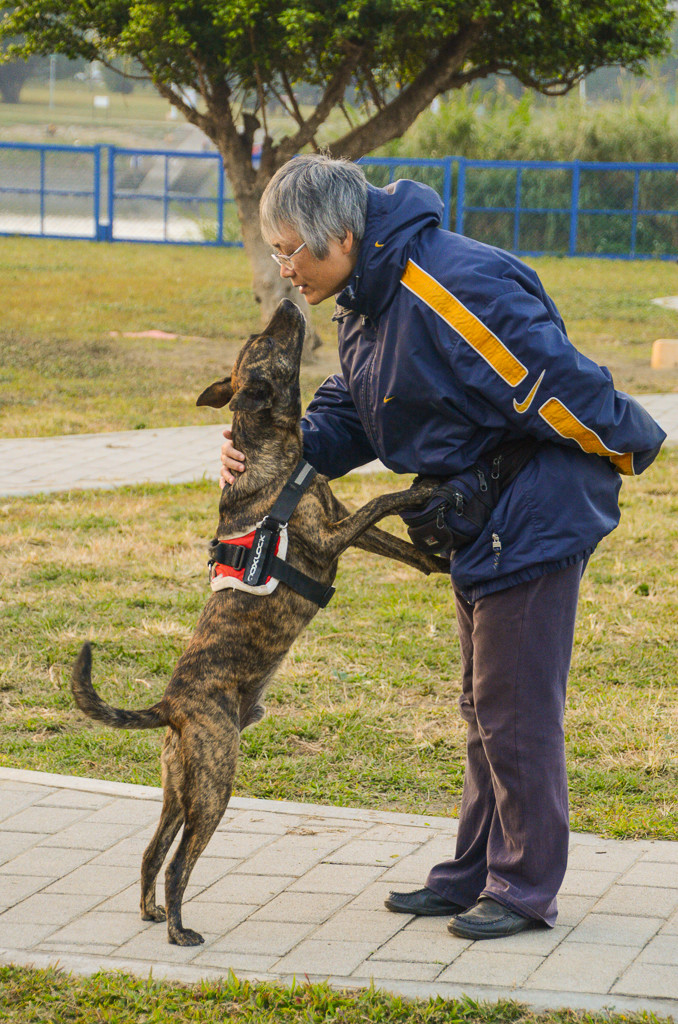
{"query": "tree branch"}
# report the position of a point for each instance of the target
(440, 75)
(332, 96)
(554, 87)
(377, 98)
(261, 95)
(205, 89)
(123, 74)
(342, 107)
(298, 116)
(283, 102)
(207, 124)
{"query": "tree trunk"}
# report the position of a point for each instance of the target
(12, 78)
(269, 287)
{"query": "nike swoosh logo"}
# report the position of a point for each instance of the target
(389, 399)
(379, 245)
(524, 406)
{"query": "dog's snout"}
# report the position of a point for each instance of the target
(286, 320)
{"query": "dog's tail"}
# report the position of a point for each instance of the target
(89, 701)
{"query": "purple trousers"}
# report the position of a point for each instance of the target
(512, 842)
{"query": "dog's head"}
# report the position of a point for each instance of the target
(265, 375)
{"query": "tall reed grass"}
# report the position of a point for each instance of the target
(498, 126)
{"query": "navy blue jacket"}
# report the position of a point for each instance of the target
(448, 347)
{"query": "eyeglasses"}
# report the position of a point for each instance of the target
(286, 261)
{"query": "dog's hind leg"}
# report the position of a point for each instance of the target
(155, 853)
(208, 780)
(170, 822)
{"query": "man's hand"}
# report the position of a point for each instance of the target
(231, 460)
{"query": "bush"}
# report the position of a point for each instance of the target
(497, 126)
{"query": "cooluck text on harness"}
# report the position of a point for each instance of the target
(256, 562)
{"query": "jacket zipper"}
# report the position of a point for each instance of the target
(496, 550)
(367, 381)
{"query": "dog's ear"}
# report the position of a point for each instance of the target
(217, 395)
(253, 396)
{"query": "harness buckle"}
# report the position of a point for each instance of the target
(233, 555)
(240, 558)
(269, 523)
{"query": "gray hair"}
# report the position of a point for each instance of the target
(320, 198)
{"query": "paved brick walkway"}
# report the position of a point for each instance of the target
(169, 455)
(288, 890)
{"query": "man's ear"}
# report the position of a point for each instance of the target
(217, 395)
(253, 397)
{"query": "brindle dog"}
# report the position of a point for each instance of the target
(241, 638)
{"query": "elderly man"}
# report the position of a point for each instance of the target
(449, 349)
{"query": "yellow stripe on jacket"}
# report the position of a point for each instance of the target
(502, 360)
(566, 424)
(465, 323)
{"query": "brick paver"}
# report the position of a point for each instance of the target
(290, 890)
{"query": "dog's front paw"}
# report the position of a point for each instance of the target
(423, 487)
(437, 564)
(184, 937)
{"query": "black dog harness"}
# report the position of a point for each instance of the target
(256, 562)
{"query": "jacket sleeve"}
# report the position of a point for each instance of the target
(334, 438)
(516, 360)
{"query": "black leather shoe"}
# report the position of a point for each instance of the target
(424, 902)
(488, 919)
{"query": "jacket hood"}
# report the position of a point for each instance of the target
(395, 216)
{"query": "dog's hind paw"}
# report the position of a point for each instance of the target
(185, 937)
(154, 914)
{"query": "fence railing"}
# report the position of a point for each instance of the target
(538, 207)
(568, 208)
(50, 191)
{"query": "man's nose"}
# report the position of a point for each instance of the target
(286, 271)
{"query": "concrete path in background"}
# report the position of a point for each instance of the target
(35, 465)
(289, 890)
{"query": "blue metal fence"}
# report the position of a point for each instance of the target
(169, 196)
(576, 208)
(538, 207)
(573, 208)
(50, 191)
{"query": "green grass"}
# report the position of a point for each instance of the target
(73, 105)
(609, 314)
(53, 997)
(62, 371)
(363, 712)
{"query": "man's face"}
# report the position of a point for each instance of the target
(316, 279)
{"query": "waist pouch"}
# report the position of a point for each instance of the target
(460, 508)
